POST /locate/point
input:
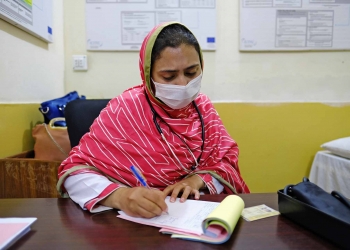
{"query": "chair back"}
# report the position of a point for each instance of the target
(80, 114)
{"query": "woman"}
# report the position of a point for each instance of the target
(164, 127)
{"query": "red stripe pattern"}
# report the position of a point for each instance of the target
(124, 134)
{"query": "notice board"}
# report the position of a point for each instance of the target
(33, 16)
(294, 25)
(123, 24)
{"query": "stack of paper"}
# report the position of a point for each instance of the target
(258, 212)
(204, 221)
(12, 229)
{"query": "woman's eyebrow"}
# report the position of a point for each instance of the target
(176, 70)
(169, 70)
(193, 66)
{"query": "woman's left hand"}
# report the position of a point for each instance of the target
(190, 185)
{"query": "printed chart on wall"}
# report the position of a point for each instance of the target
(123, 24)
(33, 16)
(294, 25)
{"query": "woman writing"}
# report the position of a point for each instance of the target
(164, 127)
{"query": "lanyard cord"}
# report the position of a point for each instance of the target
(155, 114)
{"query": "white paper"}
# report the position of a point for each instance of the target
(187, 216)
(12, 229)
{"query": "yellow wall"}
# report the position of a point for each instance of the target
(277, 141)
(17, 121)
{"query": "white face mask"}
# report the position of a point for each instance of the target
(176, 96)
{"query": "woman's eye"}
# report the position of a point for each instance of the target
(191, 73)
(168, 78)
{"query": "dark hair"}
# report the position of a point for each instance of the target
(173, 36)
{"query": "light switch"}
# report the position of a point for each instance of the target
(80, 62)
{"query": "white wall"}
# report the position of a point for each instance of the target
(31, 70)
(229, 75)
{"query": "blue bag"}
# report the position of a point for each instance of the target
(55, 108)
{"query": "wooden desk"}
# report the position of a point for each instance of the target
(62, 224)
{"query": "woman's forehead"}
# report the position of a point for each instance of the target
(181, 57)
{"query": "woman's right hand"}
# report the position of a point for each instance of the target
(137, 201)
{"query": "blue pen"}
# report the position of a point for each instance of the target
(139, 176)
(142, 179)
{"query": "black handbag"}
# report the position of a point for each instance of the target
(55, 108)
(326, 214)
(334, 203)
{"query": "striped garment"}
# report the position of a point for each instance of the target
(124, 134)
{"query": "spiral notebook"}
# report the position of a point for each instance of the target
(211, 222)
(12, 229)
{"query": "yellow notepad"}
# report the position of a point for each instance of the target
(205, 221)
